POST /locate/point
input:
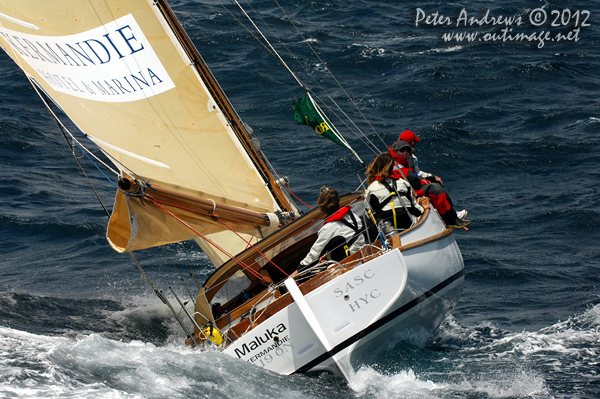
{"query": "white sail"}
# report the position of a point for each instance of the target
(127, 78)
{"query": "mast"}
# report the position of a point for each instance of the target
(224, 104)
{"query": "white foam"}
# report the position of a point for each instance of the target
(512, 382)
(574, 338)
(485, 361)
(368, 382)
(91, 366)
(27, 371)
(446, 49)
(509, 383)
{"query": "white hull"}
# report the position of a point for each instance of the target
(402, 294)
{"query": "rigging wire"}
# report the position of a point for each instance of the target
(356, 172)
(362, 136)
(256, 249)
(235, 259)
(273, 52)
(43, 95)
(87, 153)
(190, 265)
(297, 197)
(328, 70)
(63, 128)
(81, 168)
(64, 131)
(180, 276)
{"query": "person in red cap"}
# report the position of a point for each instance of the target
(424, 184)
(412, 139)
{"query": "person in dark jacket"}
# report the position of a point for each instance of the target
(412, 139)
(439, 198)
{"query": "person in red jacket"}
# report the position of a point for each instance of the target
(409, 137)
(401, 151)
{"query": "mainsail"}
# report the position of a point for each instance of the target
(128, 76)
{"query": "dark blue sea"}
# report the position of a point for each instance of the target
(510, 123)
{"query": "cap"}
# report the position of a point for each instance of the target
(400, 145)
(409, 136)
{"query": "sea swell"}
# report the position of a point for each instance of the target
(470, 362)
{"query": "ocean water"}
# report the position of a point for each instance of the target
(512, 128)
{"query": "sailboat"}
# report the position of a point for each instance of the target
(187, 168)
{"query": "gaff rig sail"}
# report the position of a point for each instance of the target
(130, 79)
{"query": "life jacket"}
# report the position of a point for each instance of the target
(377, 206)
(404, 169)
(423, 188)
(339, 243)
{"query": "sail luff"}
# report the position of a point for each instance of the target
(224, 104)
(131, 80)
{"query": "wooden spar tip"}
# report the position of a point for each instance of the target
(130, 186)
(208, 207)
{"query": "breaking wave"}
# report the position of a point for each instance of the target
(475, 362)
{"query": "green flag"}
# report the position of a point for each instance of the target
(306, 112)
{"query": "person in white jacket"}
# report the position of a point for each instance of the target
(389, 196)
(341, 234)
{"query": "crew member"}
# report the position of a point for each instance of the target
(341, 234)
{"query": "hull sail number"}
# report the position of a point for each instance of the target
(111, 63)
